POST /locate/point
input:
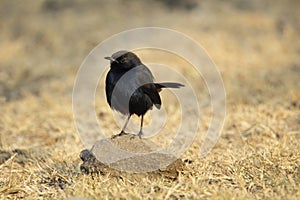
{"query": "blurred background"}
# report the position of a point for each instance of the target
(254, 43)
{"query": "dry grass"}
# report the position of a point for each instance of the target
(256, 46)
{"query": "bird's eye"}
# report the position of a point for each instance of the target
(123, 60)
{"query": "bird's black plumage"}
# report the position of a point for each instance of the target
(130, 88)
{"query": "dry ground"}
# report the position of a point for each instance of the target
(255, 45)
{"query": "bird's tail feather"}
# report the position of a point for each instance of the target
(168, 85)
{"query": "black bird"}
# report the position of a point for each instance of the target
(136, 86)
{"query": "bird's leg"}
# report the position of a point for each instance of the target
(141, 129)
(123, 129)
(125, 125)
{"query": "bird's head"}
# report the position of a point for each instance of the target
(124, 60)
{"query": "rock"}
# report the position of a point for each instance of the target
(131, 154)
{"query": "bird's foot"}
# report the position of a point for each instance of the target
(140, 134)
(120, 134)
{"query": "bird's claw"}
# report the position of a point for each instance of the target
(124, 133)
(140, 134)
(120, 134)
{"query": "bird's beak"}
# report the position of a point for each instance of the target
(110, 58)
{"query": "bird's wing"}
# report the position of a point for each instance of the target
(144, 75)
(151, 91)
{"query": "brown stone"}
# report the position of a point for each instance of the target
(129, 153)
